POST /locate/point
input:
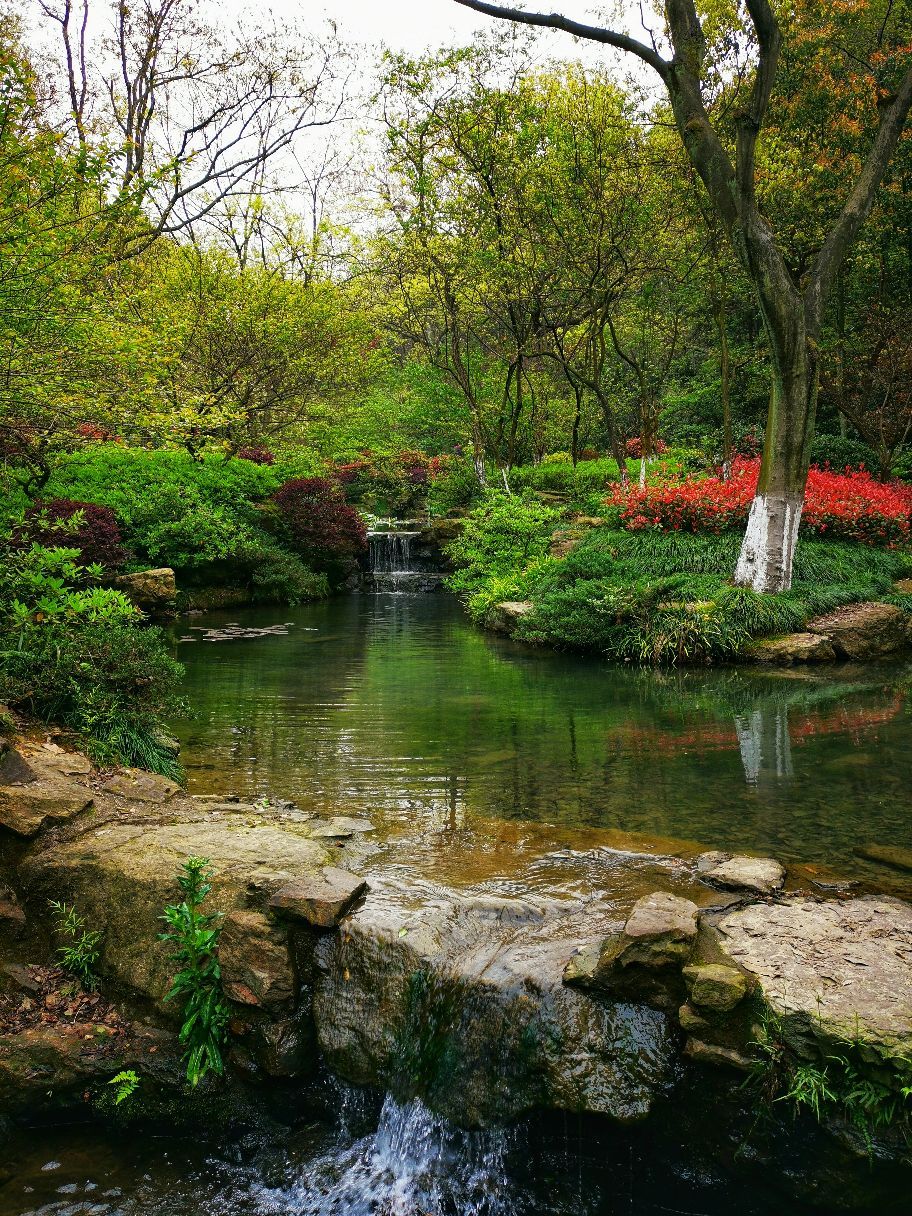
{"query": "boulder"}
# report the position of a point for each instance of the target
(140, 786)
(864, 631)
(11, 915)
(892, 855)
(25, 810)
(714, 987)
(460, 1002)
(256, 966)
(644, 961)
(152, 591)
(903, 586)
(285, 1048)
(340, 827)
(759, 875)
(504, 617)
(792, 648)
(321, 898)
(832, 972)
(121, 875)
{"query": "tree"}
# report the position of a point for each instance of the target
(791, 305)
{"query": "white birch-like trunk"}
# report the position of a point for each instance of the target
(768, 548)
(642, 472)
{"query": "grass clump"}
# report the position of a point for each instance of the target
(651, 596)
(79, 953)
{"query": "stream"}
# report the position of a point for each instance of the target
(466, 750)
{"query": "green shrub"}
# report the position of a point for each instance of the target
(279, 577)
(79, 655)
(840, 452)
(454, 490)
(197, 984)
(501, 539)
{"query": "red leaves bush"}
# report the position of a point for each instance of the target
(847, 506)
(256, 455)
(97, 536)
(634, 448)
(317, 521)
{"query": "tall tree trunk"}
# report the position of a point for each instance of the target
(768, 548)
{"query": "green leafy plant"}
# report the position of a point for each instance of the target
(79, 953)
(197, 985)
(126, 1084)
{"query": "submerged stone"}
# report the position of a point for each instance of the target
(893, 855)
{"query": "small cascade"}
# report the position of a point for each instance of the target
(393, 564)
(414, 1164)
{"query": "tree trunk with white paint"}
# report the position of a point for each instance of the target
(768, 548)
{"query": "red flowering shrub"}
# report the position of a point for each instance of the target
(318, 522)
(847, 506)
(634, 448)
(256, 455)
(395, 482)
(97, 537)
(95, 433)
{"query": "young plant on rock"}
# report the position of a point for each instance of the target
(197, 984)
(79, 953)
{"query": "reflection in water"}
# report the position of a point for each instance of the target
(396, 707)
(766, 747)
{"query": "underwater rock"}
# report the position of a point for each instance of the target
(892, 855)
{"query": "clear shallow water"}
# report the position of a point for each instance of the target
(395, 706)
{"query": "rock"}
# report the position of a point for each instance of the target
(11, 915)
(792, 648)
(256, 966)
(321, 899)
(715, 987)
(22, 976)
(14, 768)
(285, 1048)
(892, 855)
(712, 1053)
(504, 617)
(122, 874)
(904, 586)
(340, 827)
(864, 631)
(25, 810)
(140, 786)
(152, 591)
(430, 996)
(830, 971)
(644, 961)
(760, 875)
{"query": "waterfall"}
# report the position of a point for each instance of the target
(391, 552)
(414, 1164)
(393, 564)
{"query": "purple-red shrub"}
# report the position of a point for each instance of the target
(256, 455)
(97, 537)
(319, 524)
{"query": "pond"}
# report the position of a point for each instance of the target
(397, 707)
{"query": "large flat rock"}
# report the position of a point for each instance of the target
(864, 631)
(833, 971)
(122, 874)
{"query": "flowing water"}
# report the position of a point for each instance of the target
(468, 751)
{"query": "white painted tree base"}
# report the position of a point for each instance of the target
(768, 548)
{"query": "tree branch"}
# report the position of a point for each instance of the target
(554, 21)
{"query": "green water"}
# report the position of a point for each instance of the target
(395, 706)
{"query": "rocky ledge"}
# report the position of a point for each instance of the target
(485, 1005)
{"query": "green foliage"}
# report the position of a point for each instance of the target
(840, 453)
(79, 655)
(501, 539)
(126, 1084)
(456, 488)
(79, 952)
(657, 597)
(194, 936)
